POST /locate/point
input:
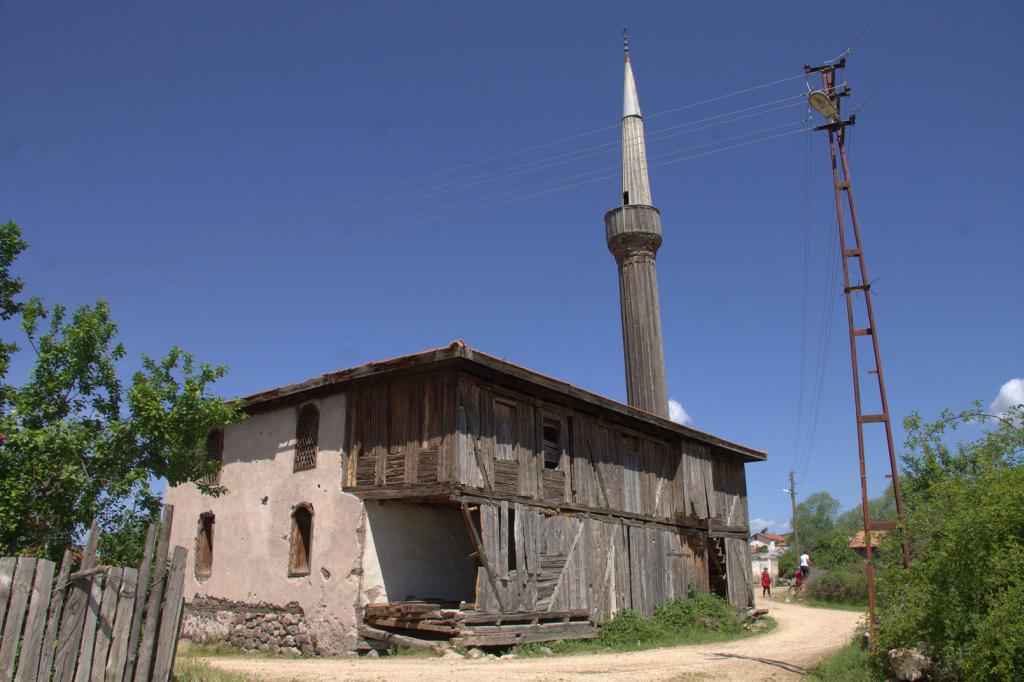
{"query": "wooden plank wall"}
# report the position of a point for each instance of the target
(555, 562)
(737, 558)
(396, 431)
(730, 493)
(451, 426)
(601, 466)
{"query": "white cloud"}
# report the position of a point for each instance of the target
(784, 527)
(1011, 393)
(677, 414)
(757, 524)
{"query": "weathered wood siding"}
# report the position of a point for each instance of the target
(729, 494)
(737, 557)
(619, 519)
(600, 465)
(553, 562)
(397, 431)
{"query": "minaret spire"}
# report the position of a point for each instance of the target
(634, 236)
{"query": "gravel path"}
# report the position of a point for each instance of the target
(804, 636)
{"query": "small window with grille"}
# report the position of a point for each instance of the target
(301, 542)
(307, 433)
(204, 546)
(214, 452)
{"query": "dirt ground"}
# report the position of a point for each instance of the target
(804, 636)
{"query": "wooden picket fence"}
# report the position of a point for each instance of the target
(97, 624)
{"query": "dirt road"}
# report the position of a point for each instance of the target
(804, 635)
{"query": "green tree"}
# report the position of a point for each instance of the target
(883, 508)
(960, 602)
(78, 442)
(816, 518)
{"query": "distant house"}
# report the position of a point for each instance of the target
(858, 544)
(769, 540)
(762, 560)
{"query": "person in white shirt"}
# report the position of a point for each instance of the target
(805, 564)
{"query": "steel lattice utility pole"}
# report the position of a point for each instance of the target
(857, 288)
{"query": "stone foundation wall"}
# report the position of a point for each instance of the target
(251, 627)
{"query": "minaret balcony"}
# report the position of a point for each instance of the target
(633, 228)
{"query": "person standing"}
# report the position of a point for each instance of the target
(766, 584)
(805, 564)
(798, 580)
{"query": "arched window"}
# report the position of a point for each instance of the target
(204, 546)
(302, 540)
(214, 452)
(307, 432)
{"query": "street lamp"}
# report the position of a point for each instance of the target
(822, 103)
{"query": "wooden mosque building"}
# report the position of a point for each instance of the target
(451, 495)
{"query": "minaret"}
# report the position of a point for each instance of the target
(634, 235)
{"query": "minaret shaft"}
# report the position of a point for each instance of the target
(634, 235)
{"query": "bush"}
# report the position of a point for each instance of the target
(627, 628)
(960, 602)
(787, 565)
(848, 585)
(849, 664)
(684, 613)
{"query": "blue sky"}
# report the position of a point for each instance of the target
(271, 187)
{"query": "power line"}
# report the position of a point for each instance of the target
(518, 152)
(920, 39)
(438, 190)
(413, 223)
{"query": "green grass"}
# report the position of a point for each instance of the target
(835, 605)
(576, 647)
(673, 624)
(849, 664)
(221, 650)
(187, 669)
(410, 652)
(787, 596)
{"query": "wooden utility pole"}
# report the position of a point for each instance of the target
(796, 532)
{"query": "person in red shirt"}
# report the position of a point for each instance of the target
(799, 580)
(766, 584)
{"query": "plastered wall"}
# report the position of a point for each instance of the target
(253, 524)
(418, 551)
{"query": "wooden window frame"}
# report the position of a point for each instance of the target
(307, 446)
(205, 526)
(548, 419)
(295, 571)
(214, 453)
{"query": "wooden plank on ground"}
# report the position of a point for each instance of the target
(118, 654)
(416, 625)
(140, 602)
(69, 636)
(35, 624)
(401, 640)
(567, 631)
(156, 594)
(105, 624)
(167, 638)
(53, 621)
(21, 587)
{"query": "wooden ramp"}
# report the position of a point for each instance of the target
(438, 625)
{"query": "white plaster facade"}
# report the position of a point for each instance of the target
(252, 528)
(360, 552)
